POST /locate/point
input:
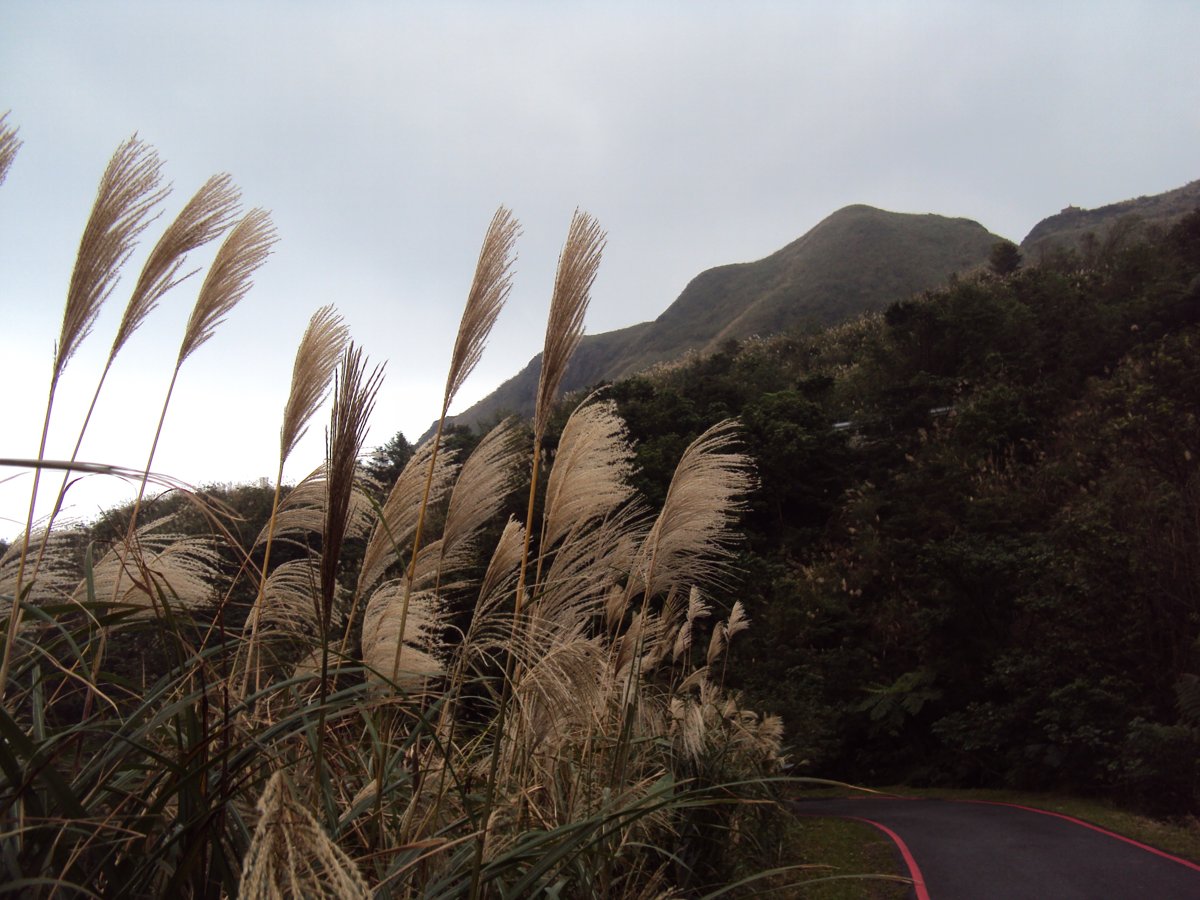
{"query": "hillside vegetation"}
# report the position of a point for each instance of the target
(856, 260)
(1088, 231)
(976, 550)
(426, 687)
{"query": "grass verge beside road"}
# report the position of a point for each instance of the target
(842, 847)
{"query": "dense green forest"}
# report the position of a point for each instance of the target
(975, 555)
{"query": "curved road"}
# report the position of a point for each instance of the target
(979, 851)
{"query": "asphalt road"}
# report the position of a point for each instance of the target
(981, 851)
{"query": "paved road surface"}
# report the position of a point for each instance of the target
(981, 851)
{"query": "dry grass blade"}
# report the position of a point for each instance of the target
(129, 191)
(577, 267)
(316, 358)
(489, 290)
(205, 216)
(9, 145)
(291, 856)
(243, 251)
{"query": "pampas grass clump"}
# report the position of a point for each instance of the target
(373, 696)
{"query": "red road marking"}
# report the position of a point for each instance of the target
(914, 870)
(1113, 834)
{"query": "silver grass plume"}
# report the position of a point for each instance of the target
(577, 266)
(693, 532)
(401, 510)
(688, 727)
(157, 563)
(737, 622)
(697, 609)
(302, 512)
(716, 644)
(483, 483)
(316, 359)
(129, 191)
(586, 565)
(203, 218)
(59, 573)
(229, 278)
(498, 581)
(489, 290)
(561, 693)
(590, 478)
(287, 596)
(290, 854)
(9, 145)
(127, 194)
(423, 619)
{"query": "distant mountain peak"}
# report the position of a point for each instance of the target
(856, 259)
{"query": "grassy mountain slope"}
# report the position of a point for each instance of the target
(1070, 229)
(857, 259)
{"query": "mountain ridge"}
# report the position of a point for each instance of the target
(1069, 229)
(857, 259)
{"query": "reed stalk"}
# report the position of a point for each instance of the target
(578, 264)
(125, 200)
(317, 356)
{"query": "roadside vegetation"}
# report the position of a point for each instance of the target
(967, 531)
(459, 671)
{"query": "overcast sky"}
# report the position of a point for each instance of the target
(382, 136)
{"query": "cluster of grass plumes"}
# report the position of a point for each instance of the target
(427, 716)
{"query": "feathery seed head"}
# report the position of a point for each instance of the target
(483, 483)
(129, 191)
(692, 534)
(397, 521)
(489, 290)
(9, 145)
(316, 358)
(423, 622)
(245, 249)
(737, 622)
(591, 470)
(716, 644)
(577, 267)
(290, 854)
(202, 219)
